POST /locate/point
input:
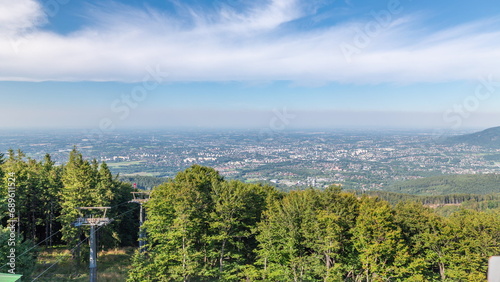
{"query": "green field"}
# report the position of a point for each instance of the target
(141, 173)
(125, 164)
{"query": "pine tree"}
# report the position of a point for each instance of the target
(37, 185)
(78, 191)
(88, 184)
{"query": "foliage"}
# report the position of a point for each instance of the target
(449, 184)
(470, 201)
(36, 193)
(201, 227)
(24, 254)
(46, 197)
(143, 182)
(88, 184)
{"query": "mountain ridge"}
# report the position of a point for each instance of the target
(489, 137)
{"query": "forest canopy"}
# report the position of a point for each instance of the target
(202, 227)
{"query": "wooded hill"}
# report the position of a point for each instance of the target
(201, 227)
(449, 184)
(395, 198)
(489, 138)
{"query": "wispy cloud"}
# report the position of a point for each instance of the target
(227, 44)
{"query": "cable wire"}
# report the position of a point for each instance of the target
(56, 234)
(81, 242)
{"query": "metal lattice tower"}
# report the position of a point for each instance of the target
(141, 198)
(92, 221)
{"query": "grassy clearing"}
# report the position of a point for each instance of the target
(112, 265)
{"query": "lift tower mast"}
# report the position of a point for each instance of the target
(91, 220)
(141, 198)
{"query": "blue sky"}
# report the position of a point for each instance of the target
(105, 65)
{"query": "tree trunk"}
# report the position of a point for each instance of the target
(221, 258)
(441, 270)
(329, 262)
(50, 222)
(18, 223)
(184, 258)
(33, 225)
(367, 274)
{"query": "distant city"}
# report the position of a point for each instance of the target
(354, 159)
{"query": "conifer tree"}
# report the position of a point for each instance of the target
(79, 188)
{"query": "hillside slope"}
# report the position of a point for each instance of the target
(487, 138)
(449, 184)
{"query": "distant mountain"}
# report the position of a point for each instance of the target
(487, 138)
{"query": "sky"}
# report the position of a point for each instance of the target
(266, 64)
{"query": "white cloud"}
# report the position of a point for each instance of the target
(19, 16)
(233, 45)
